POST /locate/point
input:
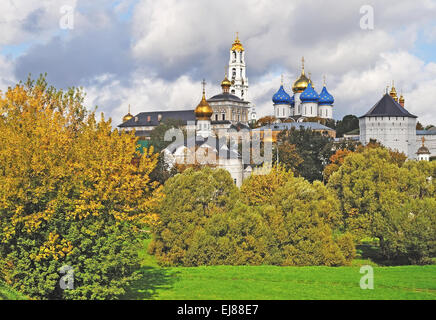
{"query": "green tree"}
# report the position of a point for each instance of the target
(312, 147)
(191, 198)
(348, 123)
(374, 193)
(157, 135)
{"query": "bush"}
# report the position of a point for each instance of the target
(191, 199)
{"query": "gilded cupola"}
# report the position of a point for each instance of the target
(237, 45)
(302, 82)
(128, 116)
(203, 110)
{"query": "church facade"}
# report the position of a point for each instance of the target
(209, 147)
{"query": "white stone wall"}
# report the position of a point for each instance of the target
(282, 111)
(309, 109)
(325, 112)
(297, 106)
(396, 133)
(234, 167)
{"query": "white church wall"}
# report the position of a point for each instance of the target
(325, 112)
(396, 133)
(309, 109)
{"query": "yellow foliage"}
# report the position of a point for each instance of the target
(55, 158)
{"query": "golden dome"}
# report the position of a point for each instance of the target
(393, 92)
(401, 100)
(226, 84)
(128, 116)
(203, 110)
(237, 45)
(302, 82)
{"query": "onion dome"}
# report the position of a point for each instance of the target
(301, 83)
(128, 116)
(292, 101)
(401, 100)
(281, 97)
(203, 110)
(309, 95)
(237, 45)
(226, 84)
(325, 98)
(393, 92)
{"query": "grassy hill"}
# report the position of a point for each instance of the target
(271, 282)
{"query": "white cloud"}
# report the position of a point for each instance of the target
(176, 43)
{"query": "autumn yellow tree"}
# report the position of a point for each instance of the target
(70, 195)
(336, 161)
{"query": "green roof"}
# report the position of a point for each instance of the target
(143, 144)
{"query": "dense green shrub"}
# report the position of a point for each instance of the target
(202, 222)
(191, 199)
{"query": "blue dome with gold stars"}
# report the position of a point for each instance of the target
(325, 98)
(281, 97)
(292, 101)
(309, 95)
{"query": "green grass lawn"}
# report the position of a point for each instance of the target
(271, 282)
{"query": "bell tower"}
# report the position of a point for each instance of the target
(237, 75)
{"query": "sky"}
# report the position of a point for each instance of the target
(153, 55)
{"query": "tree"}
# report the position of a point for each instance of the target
(419, 126)
(280, 220)
(336, 161)
(265, 121)
(312, 147)
(191, 198)
(377, 197)
(259, 189)
(331, 123)
(157, 135)
(71, 195)
(288, 156)
(300, 217)
(347, 124)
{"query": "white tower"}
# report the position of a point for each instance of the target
(238, 78)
